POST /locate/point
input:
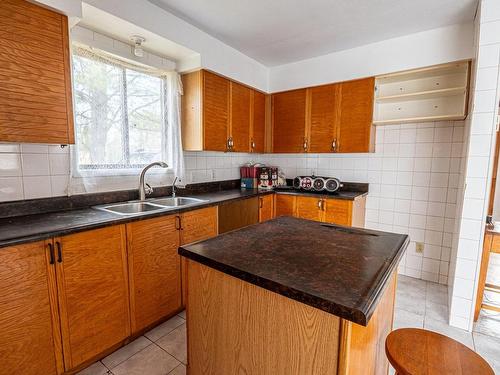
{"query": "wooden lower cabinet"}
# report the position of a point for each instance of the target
(284, 205)
(328, 210)
(310, 208)
(154, 270)
(195, 226)
(92, 286)
(266, 207)
(29, 327)
(238, 214)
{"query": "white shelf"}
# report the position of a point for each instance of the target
(455, 117)
(436, 93)
(422, 95)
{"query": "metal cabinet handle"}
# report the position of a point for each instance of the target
(322, 205)
(260, 202)
(51, 254)
(305, 144)
(252, 145)
(334, 145)
(59, 252)
(319, 204)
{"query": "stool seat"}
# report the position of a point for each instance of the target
(414, 351)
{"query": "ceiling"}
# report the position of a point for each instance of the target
(277, 32)
(110, 25)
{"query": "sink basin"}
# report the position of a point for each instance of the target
(131, 208)
(177, 201)
(152, 205)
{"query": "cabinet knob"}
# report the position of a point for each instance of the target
(334, 145)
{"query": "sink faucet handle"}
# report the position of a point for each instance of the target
(148, 189)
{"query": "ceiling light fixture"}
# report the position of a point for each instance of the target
(138, 40)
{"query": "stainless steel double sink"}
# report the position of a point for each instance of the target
(150, 206)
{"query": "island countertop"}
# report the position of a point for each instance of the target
(340, 270)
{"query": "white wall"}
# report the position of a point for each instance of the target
(408, 52)
(215, 55)
(480, 141)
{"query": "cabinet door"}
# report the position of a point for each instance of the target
(310, 208)
(35, 84)
(356, 116)
(258, 122)
(29, 324)
(285, 205)
(240, 117)
(196, 225)
(92, 285)
(289, 121)
(325, 114)
(154, 270)
(215, 112)
(338, 211)
(238, 214)
(266, 208)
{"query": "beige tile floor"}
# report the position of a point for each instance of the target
(419, 303)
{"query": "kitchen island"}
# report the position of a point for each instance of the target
(291, 296)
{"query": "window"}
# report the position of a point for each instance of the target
(118, 115)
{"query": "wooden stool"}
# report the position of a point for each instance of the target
(413, 351)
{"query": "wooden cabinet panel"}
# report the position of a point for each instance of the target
(310, 208)
(258, 122)
(338, 211)
(30, 337)
(35, 83)
(285, 205)
(191, 121)
(196, 225)
(325, 114)
(356, 115)
(266, 207)
(92, 285)
(289, 121)
(238, 214)
(154, 270)
(240, 117)
(215, 112)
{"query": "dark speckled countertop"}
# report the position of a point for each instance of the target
(340, 270)
(34, 227)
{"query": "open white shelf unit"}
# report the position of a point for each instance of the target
(436, 93)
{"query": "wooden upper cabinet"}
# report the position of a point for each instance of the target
(289, 121)
(35, 83)
(154, 270)
(239, 129)
(93, 292)
(355, 130)
(30, 340)
(324, 116)
(215, 105)
(258, 130)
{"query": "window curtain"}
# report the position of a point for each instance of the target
(92, 180)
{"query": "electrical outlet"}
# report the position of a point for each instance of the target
(419, 247)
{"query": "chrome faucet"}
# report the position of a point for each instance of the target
(145, 189)
(173, 187)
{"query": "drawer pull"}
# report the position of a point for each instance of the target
(51, 254)
(59, 252)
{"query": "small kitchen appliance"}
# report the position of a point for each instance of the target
(317, 183)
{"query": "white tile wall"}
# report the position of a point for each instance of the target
(476, 170)
(414, 180)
